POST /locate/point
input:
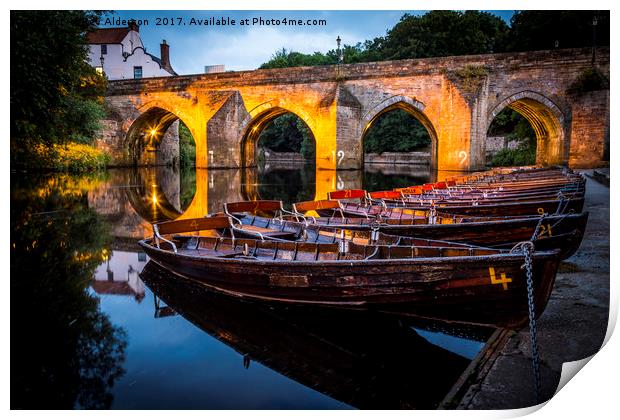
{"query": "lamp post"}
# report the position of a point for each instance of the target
(339, 50)
(594, 23)
(101, 59)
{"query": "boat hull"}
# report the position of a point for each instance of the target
(489, 290)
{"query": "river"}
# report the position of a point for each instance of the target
(94, 325)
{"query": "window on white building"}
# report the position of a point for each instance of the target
(137, 72)
(104, 49)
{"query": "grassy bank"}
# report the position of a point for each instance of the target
(71, 157)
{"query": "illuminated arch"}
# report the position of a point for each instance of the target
(149, 128)
(547, 120)
(258, 119)
(411, 106)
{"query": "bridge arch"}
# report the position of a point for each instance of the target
(258, 119)
(413, 107)
(149, 129)
(547, 120)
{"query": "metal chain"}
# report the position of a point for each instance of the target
(540, 220)
(528, 249)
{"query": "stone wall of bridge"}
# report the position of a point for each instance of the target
(455, 98)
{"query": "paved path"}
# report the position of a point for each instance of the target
(572, 327)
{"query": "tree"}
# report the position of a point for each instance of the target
(396, 131)
(187, 147)
(548, 29)
(285, 58)
(436, 33)
(510, 123)
(56, 95)
(443, 33)
(288, 134)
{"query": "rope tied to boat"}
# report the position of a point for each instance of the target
(432, 214)
(343, 244)
(374, 231)
(563, 204)
(304, 233)
(527, 248)
(535, 234)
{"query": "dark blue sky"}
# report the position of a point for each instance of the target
(241, 47)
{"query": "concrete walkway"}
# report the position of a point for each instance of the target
(572, 327)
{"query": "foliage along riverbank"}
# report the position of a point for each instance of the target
(56, 96)
(70, 157)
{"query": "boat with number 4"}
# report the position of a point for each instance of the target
(480, 286)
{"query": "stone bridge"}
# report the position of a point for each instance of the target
(455, 98)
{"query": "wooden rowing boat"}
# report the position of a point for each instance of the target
(563, 231)
(516, 193)
(480, 207)
(473, 285)
(498, 186)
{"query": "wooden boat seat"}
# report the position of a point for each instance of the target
(192, 225)
(346, 194)
(316, 205)
(253, 207)
(386, 194)
(271, 233)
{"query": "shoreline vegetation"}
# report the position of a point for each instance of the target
(69, 157)
(57, 98)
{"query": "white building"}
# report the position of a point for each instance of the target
(216, 68)
(120, 54)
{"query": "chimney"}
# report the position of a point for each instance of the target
(133, 26)
(165, 54)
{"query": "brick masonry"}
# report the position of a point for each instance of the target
(410, 158)
(224, 111)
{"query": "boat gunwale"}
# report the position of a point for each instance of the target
(518, 218)
(349, 263)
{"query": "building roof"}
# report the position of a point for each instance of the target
(107, 287)
(168, 68)
(107, 36)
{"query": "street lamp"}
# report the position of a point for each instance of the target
(594, 23)
(339, 50)
(101, 59)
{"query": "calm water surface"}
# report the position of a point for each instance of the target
(94, 325)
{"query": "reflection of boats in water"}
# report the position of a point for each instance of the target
(365, 359)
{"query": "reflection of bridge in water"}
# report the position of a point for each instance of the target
(132, 199)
